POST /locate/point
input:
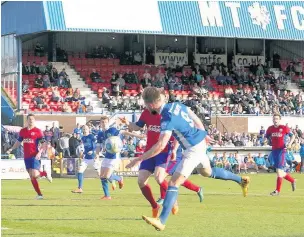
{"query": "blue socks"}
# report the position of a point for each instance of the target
(219, 173)
(105, 187)
(114, 177)
(169, 201)
(80, 180)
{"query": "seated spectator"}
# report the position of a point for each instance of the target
(199, 78)
(25, 86)
(250, 162)
(215, 72)
(290, 70)
(68, 95)
(228, 91)
(159, 75)
(130, 77)
(89, 108)
(192, 78)
(260, 70)
(131, 148)
(61, 82)
(95, 76)
(185, 78)
(56, 97)
(178, 68)
(42, 68)
(38, 82)
(197, 90)
(140, 148)
(217, 161)
(260, 163)
(34, 68)
(159, 83)
(137, 59)
(146, 80)
(76, 95)
(221, 79)
(219, 64)
(232, 163)
(66, 108)
(27, 69)
(39, 50)
(39, 101)
(46, 81)
(63, 73)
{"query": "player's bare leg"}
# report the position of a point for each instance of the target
(105, 173)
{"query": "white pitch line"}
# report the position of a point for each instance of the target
(4, 228)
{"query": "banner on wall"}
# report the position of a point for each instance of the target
(171, 58)
(15, 169)
(247, 60)
(208, 59)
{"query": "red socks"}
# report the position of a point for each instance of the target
(147, 192)
(36, 186)
(191, 186)
(279, 183)
(43, 174)
(163, 189)
(289, 178)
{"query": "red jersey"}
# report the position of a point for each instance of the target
(30, 139)
(153, 127)
(277, 136)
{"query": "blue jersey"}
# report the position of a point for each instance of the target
(302, 149)
(175, 119)
(78, 131)
(103, 136)
(89, 144)
(260, 160)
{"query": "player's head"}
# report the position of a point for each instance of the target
(276, 119)
(154, 99)
(85, 130)
(104, 122)
(31, 120)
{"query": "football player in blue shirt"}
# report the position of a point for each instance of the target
(111, 161)
(88, 157)
(188, 130)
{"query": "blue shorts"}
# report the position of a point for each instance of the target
(277, 158)
(32, 163)
(160, 160)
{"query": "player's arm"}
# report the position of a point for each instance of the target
(139, 125)
(175, 146)
(93, 140)
(292, 138)
(15, 146)
(126, 133)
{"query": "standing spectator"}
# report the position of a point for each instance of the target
(262, 130)
(39, 50)
(276, 60)
(56, 136)
(73, 144)
(5, 141)
(64, 145)
(48, 134)
(78, 129)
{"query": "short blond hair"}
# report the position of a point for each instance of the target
(151, 94)
(277, 115)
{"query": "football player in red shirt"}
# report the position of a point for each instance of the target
(33, 146)
(276, 134)
(158, 164)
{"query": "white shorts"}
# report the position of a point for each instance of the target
(86, 162)
(110, 163)
(193, 157)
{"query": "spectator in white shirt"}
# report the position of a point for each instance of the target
(137, 59)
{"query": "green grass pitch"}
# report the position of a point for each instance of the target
(224, 212)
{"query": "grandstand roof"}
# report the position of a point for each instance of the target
(249, 19)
